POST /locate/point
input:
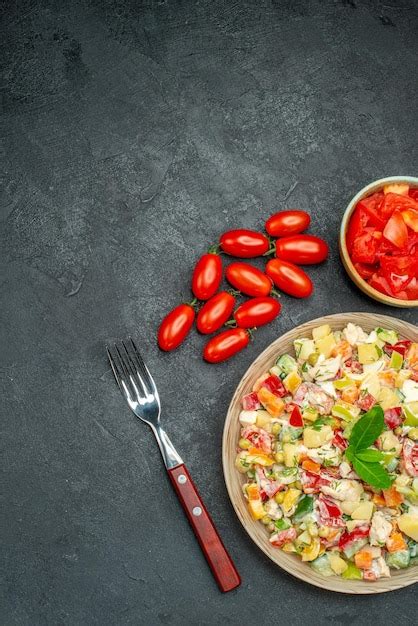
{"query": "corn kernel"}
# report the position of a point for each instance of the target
(244, 444)
(279, 497)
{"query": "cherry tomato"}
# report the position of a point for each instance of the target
(226, 344)
(302, 249)
(215, 312)
(175, 327)
(289, 278)
(287, 223)
(257, 312)
(248, 279)
(244, 243)
(207, 276)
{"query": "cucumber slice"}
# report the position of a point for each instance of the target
(396, 361)
(388, 336)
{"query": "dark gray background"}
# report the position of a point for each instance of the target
(134, 133)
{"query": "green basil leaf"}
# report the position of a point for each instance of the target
(349, 453)
(370, 455)
(372, 473)
(367, 429)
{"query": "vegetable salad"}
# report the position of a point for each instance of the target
(329, 447)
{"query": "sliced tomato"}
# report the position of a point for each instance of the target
(365, 247)
(371, 207)
(413, 193)
(365, 270)
(412, 290)
(381, 284)
(394, 201)
(396, 230)
(356, 226)
(399, 271)
(410, 217)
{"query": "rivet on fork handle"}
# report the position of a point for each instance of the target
(214, 550)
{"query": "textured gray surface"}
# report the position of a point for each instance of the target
(134, 133)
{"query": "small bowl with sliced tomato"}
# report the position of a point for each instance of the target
(379, 240)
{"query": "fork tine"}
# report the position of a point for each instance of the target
(133, 370)
(116, 371)
(142, 368)
(126, 379)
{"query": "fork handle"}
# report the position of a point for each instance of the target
(214, 550)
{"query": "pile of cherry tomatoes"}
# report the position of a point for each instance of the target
(213, 309)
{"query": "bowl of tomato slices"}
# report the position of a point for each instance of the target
(379, 240)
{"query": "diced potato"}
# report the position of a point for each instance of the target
(288, 547)
(290, 498)
(338, 565)
(264, 420)
(316, 438)
(311, 552)
(401, 377)
(292, 381)
(321, 331)
(388, 399)
(325, 345)
(363, 511)
(291, 454)
(401, 189)
(304, 348)
(304, 538)
(408, 524)
(389, 441)
(371, 384)
(256, 509)
(310, 414)
(348, 507)
(368, 353)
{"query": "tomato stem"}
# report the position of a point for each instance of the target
(233, 292)
(231, 323)
(251, 331)
(275, 293)
(215, 249)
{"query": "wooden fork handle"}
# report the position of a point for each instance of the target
(214, 550)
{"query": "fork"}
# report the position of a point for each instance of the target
(139, 390)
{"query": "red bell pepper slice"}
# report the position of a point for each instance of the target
(401, 347)
(250, 402)
(393, 417)
(275, 385)
(339, 441)
(296, 419)
(358, 533)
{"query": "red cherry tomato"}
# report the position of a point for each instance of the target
(287, 223)
(207, 276)
(244, 243)
(302, 249)
(175, 327)
(226, 344)
(289, 278)
(215, 312)
(248, 279)
(257, 312)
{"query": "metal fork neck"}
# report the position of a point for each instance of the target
(170, 456)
